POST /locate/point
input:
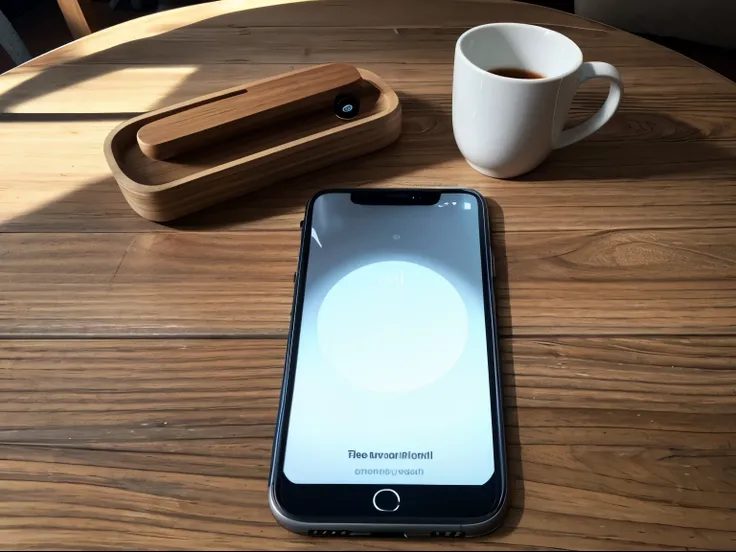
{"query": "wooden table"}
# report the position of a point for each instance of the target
(140, 364)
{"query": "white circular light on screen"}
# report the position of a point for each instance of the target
(392, 326)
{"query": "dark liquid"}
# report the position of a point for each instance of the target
(513, 73)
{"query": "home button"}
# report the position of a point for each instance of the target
(386, 500)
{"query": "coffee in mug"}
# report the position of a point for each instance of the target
(512, 89)
(514, 73)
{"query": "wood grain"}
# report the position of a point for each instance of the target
(232, 284)
(159, 443)
(140, 364)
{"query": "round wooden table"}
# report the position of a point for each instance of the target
(140, 364)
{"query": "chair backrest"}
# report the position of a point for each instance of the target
(11, 42)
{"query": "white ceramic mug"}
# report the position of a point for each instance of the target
(505, 126)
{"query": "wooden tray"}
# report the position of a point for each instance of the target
(183, 158)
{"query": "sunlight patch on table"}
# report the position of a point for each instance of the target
(84, 90)
(69, 196)
(47, 165)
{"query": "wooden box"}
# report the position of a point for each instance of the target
(183, 158)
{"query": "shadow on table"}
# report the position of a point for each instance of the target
(419, 147)
(638, 144)
(416, 149)
(516, 489)
(638, 160)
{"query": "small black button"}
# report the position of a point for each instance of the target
(301, 223)
(347, 106)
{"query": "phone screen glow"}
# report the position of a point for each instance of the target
(392, 371)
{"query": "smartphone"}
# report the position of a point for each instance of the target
(391, 417)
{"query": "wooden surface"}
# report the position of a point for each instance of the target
(140, 364)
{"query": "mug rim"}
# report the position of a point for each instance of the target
(462, 37)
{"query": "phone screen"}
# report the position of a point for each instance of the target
(391, 382)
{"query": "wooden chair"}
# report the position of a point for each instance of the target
(11, 42)
(74, 16)
(74, 13)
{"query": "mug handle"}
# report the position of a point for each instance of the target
(591, 70)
